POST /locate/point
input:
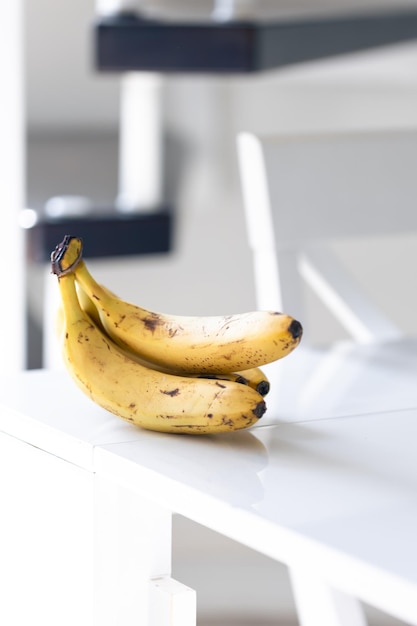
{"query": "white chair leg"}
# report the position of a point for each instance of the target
(172, 603)
(132, 547)
(353, 308)
(140, 142)
(319, 603)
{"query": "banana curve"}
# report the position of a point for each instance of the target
(254, 377)
(213, 344)
(143, 396)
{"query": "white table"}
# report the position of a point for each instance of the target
(326, 483)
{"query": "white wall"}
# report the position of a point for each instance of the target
(63, 90)
(12, 192)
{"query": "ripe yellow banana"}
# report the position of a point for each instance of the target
(144, 396)
(202, 345)
(253, 377)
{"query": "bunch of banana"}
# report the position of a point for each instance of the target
(254, 377)
(162, 372)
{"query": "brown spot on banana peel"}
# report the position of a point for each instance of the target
(172, 392)
(152, 322)
(82, 338)
(121, 320)
(195, 427)
(239, 379)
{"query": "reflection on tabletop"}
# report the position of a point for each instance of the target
(346, 379)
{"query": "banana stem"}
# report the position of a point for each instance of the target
(70, 302)
(66, 256)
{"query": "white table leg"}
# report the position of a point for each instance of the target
(132, 550)
(318, 603)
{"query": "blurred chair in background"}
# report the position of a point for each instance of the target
(301, 193)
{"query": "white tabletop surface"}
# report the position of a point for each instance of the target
(329, 477)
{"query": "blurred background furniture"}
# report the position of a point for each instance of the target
(142, 41)
(303, 192)
(302, 195)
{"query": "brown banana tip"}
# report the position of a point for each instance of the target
(296, 329)
(263, 387)
(260, 409)
(66, 256)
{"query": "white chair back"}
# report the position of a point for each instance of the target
(302, 192)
